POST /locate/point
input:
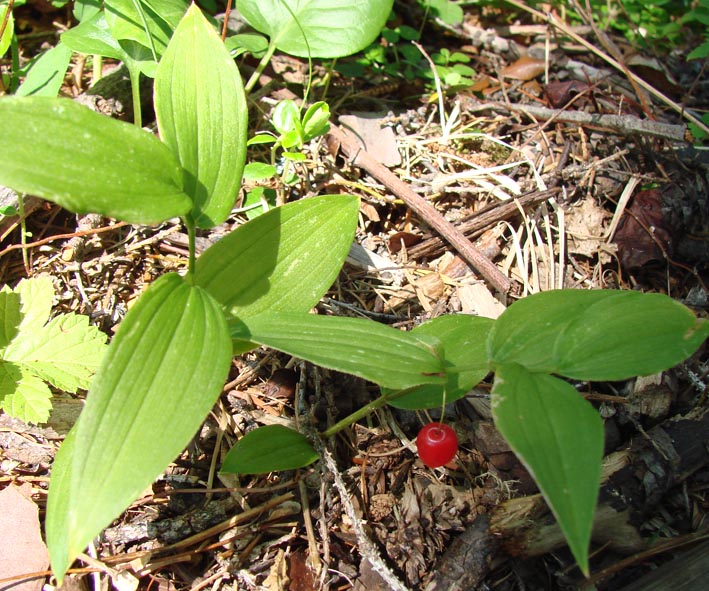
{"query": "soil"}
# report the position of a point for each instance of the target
(561, 173)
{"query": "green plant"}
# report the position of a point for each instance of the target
(437, 444)
(65, 351)
(582, 335)
(166, 365)
(173, 350)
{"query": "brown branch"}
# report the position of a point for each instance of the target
(429, 214)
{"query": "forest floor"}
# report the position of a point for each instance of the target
(563, 170)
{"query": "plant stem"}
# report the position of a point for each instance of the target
(356, 416)
(134, 75)
(191, 230)
(23, 231)
(260, 68)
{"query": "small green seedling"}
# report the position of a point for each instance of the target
(65, 351)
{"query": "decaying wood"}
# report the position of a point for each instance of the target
(477, 223)
(429, 214)
(634, 481)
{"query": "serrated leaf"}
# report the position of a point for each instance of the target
(86, 162)
(558, 436)
(24, 395)
(373, 351)
(163, 372)
(284, 260)
(66, 352)
(36, 295)
(596, 335)
(318, 28)
(464, 339)
(269, 449)
(202, 116)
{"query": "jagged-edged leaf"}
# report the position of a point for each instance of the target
(23, 394)
(319, 28)
(283, 260)
(596, 335)
(86, 162)
(559, 437)
(202, 116)
(66, 352)
(161, 375)
(36, 295)
(376, 352)
(269, 449)
(464, 339)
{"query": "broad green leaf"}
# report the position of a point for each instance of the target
(66, 352)
(92, 36)
(465, 360)
(282, 261)
(202, 116)
(316, 121)
(10, 317)
(317, 28)
(46, 74)
(449, 12)
(373, 351)
(258, 171)
(254, 43)
(9, 30)
(286, 118)
(149, 24)
(23, 394)
(596, 335)
(269, 449)
(558, 436)
(83, 161)
(85, 9)
(160, 377)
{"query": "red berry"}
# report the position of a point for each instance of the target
(437, 444)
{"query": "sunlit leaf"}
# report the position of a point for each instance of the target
(163, 372)
(45, 76)
(465, 359)
(319, 28)
(559, 437)
(202, 116)
(86, 162)
(596, 335)
(376, 352)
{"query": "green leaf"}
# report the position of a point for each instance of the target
(258, 171)
(92, 36)
(269, 449)
(66, 352)
(148, 25)
(37, 296)
(373, 351)
(46, 74)
(254, 43)
(449, 12)
(10, 316)
(596, 335)
(282, 261)
(286, 120)
(558, 436)
(9, 30)
(85, 9)
(319, 28)
(83, 161)
(205, 121)
(23, 394)
(316, 121)
(465, 360)
(162, 374)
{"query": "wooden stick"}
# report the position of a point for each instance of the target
(429, 214)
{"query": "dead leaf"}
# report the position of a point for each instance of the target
(525, 68)
(22, 550)
(277, 578)
(378, 140)
(585, 229)
(560, 93)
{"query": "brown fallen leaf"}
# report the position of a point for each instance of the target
(560, 93)
(22, 550)
(525, 68)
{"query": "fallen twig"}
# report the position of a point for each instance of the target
(429, 214)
